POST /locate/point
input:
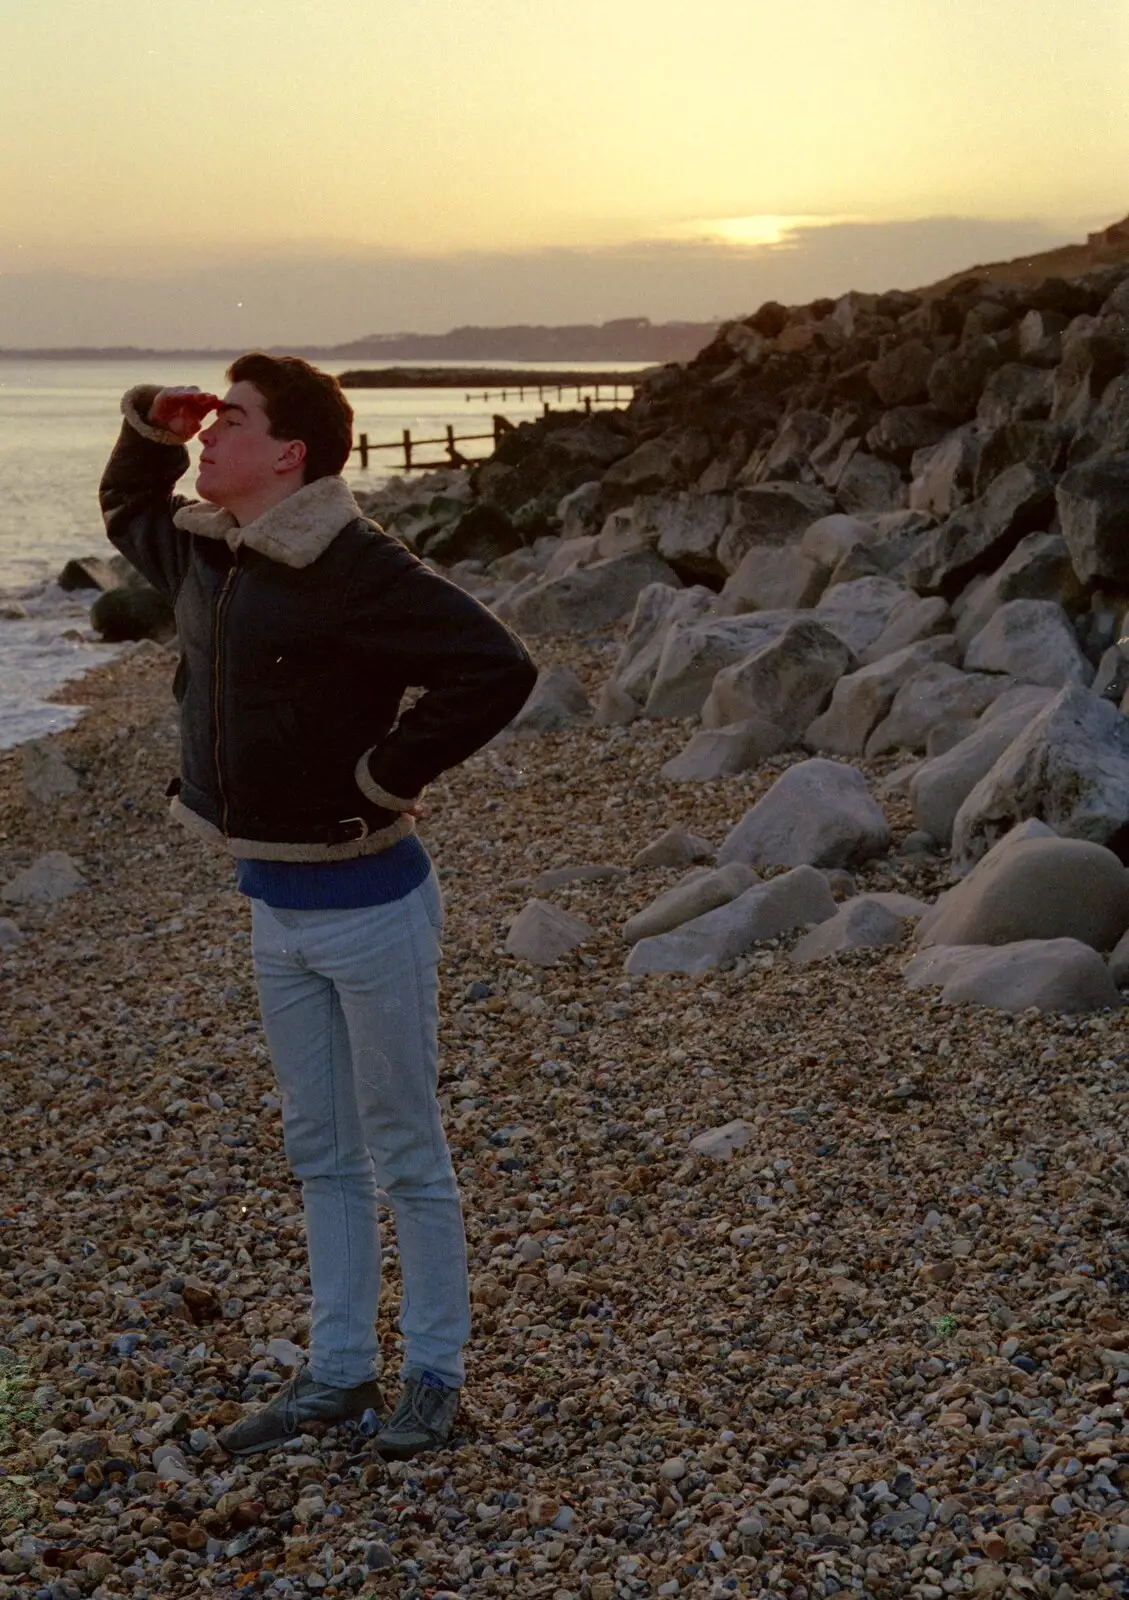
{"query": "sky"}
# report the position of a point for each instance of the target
(315, 170)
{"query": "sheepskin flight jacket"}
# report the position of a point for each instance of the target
(299, 635)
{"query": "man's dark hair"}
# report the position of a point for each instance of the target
(301, 403)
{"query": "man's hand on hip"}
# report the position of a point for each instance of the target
(182, 410)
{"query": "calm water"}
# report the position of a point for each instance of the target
(58, 423)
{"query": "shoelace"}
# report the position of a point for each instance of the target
(410, 1408)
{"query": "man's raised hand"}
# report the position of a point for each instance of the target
(182, 410)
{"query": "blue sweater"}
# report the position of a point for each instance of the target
(337, 885)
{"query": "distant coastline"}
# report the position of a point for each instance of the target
(626, 339)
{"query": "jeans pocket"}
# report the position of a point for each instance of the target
(432, 897)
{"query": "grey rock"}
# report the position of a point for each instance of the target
(936, 694)
(1044, 974)
(543, 933)
(1093, 509)
(900, 432)
(88, 572)
(978, 538)
(817, 812)
(1015, 392)
(578, 511)
(1039, 568)
(590, 598)
(719, 1144)
(9, 933)
(945, 736)
(861, 699)
(55, 876)
(722, 752)
(1069, 767)
(615, 708)
(557, 701)
(1033, 642)
(693, 898)
(861, 922)
(47, 776)
(829, 539)
(769, 513)
(671, 459)
(1040, 337)
(694, 652)
(943, 477)
(869, 483)
(765, 911)
(911, 620)
(1042, 888)
(674, 848)
(772, 579)
(941, 785)
(591, 872)
(123, 614)
(900, 376)
(580, 551)
(1111, 681)
(785, 682)
(956, 380)
(657, 609)
(858, 612)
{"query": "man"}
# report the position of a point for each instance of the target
(301, 624)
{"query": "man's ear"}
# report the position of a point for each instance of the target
(292, 456)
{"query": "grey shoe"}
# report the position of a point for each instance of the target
(298, 1402)
(423, 1420)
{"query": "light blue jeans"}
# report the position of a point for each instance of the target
(350, 1006)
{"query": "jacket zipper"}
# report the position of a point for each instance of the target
(221, 604)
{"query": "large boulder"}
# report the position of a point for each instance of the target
(670, 460)
(936, 694)
(769, 513)
(557, 701)
(1015, 392)
(912, 620)
(1039, 568)
(1045, 888)
(694, 652)
(543, 933)
(1069, 767)
(829, 539)
(858, 611)
(54, 876)
(722, 752)
(483, 533)
(869, 483)
(940, 786)
(862, 923)
(772, 579)
(657, 609)
(1032, 641)
(88, 572)
(978, 538)
(686, 529)
(123, 614)
(901, 432)
(693, 898)
(786, 682)
(1040, 974)
(1093, 509)
(818, 812)
(900, 376)
(766, 911)
(861, 699)
(944, 476)
(589, 599)
(957, 379)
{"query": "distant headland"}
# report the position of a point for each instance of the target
(624, 339)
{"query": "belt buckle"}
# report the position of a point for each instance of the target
(357, 837)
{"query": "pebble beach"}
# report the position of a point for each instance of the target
(870, 1340)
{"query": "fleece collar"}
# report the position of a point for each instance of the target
(295, 532)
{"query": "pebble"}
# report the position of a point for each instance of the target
(756, 1316)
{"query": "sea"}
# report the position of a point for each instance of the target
(58, 423)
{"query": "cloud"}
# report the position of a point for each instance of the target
(328, 298)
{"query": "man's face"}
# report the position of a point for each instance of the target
(239, 459)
